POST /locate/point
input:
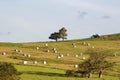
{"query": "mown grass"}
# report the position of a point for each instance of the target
(42, 73)
(55, 68)
(11, 44)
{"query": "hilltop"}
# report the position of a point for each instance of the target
(115, 36)
(112, 36)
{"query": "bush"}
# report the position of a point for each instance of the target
(95, 36)
(69, 73)
(72, 73)
(8, 72)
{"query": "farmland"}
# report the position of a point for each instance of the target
(55, 68)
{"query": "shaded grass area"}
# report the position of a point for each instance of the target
(43, 73)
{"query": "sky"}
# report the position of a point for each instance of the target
(35, 20)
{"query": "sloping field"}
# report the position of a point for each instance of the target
(52, 64)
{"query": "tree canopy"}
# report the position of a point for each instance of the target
(95, 63)
(63, 33)
(95, 36)
(57, 35)
(8, 72)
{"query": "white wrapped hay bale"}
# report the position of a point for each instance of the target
(28, 55)
(19, 50)
(83, 58)
(75, 66)
(16, 50)
(46, 45)
(3, 53)
(55, 51)
(76, 55)
(37, 48)
(88, 44)
(84, 43)
(93, 47)
(35, 62)
(47, 50)
(58, 57)
(24, 55)
(74, 46)
(24, 62)
(44, 62)
(61, 55)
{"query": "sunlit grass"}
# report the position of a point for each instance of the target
(55, 68)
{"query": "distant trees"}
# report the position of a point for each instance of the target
(57, 35)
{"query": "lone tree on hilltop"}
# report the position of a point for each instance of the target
(55, 36)
(63, 33)
(96, 63)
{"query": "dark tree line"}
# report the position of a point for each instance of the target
(59, 35)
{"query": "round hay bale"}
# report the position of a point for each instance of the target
(44, 62)
(24, 62)
(75, 66)
(37, 48)
(3, 53)
(28, 55)
(34, 62)
(24, 55)
(58, 57)
(83, 58)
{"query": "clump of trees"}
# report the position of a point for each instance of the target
(57, 35)
(95, 63)
(8, 72)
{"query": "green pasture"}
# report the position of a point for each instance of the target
(55, 68)
(30, 72)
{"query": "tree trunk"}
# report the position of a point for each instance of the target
(89, 75)
(100, 73)
(56, 40)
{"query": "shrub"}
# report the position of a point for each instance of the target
(8, 72)
(95, 36)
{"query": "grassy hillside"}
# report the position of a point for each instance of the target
(55, 68)
(106, 37)
(112, 37)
